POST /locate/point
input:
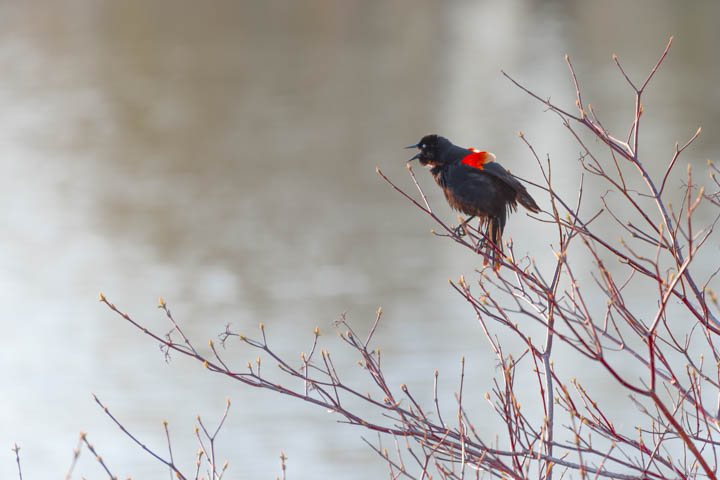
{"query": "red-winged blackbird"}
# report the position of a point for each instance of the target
(474, 184)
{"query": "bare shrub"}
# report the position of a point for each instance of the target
(665, 358)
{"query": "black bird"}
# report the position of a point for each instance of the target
(474, 184)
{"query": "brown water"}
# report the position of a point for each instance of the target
(224, 157)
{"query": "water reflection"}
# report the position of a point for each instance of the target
(224, 158)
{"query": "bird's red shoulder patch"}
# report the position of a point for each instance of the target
(477, 158)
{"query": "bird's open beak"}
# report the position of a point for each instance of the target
(417, 155)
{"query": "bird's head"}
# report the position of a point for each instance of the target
(431, 148)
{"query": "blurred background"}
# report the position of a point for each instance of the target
(222, 155)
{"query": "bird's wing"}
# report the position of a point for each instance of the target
(508, 181)
(475, 192)
(495, 170)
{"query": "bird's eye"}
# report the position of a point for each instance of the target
(423, 146)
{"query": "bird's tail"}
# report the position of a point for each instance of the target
(494, 232)
(524, 198)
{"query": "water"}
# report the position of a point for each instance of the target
(224, 158)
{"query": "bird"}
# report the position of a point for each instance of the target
(474, 184)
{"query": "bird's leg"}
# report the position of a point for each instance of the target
(484, 232)
(487, 229)
(485, 243)
(460, 229)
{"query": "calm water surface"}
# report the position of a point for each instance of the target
(223, 157)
